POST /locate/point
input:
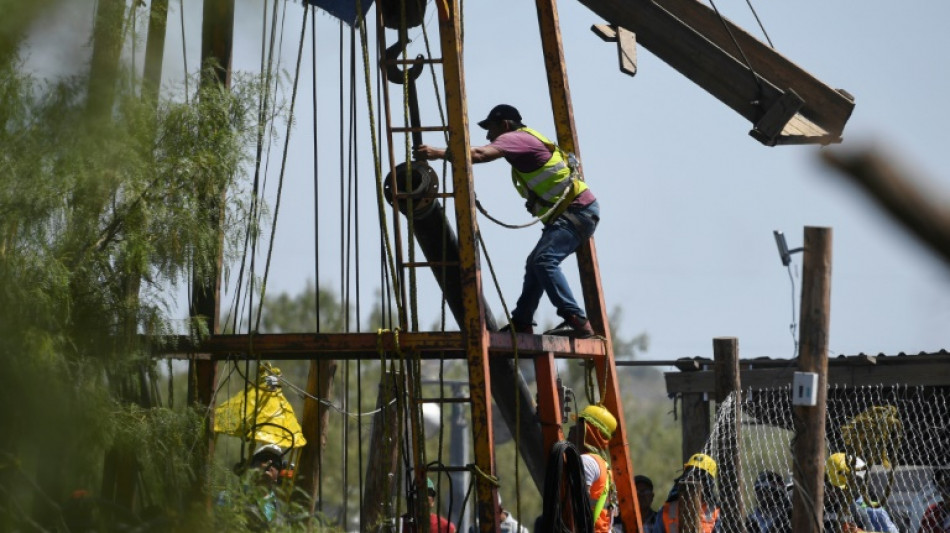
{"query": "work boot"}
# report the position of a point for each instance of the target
(518, 327)
(573, 326)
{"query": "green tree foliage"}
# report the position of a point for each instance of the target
(100, 218)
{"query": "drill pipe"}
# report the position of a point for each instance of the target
(438, 243)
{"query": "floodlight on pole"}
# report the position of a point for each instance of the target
(784, 253)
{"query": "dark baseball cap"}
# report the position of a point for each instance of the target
(500, 112)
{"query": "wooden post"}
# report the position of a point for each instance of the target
(382, 468)
(155, 46)
(314, 426)
(120, 468)
(104, 65)
(694, 420)
(808, 446)
(216, 40)
(690, 507)
(726, 354)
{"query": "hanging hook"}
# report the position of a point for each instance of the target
(393, 73)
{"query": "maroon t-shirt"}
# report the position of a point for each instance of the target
(527, 153)
(522, 150)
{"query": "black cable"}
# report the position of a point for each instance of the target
(761, 27)
(565, 469)
(728, 28)
(793, 327)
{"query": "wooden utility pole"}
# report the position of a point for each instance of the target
(695, 425)
(120, 466)
(808, 445)
(217, 34)
(315, 417)
(155, 46)
(726, 354)
(104, 66)
(382, 472)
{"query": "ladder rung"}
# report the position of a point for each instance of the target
(401, 129)
(444, 400)
(416, 264)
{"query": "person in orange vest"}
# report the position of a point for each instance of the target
(593, 431)
(701, 469)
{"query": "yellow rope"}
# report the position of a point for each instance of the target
(874, 435)
(483, 475)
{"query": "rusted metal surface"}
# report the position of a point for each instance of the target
(400, 287)
(589, 271)
(473, 326)
(549, 412)
(355, 346)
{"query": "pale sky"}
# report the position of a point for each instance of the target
(688, 200)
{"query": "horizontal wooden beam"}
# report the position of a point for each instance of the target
(689, 52)
(697, 42)
(371, 346)
(828, 107)
(918, 370)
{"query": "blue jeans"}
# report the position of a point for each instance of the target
(542, 273)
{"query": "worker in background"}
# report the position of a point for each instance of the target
(437, 523)
(701, 470)
(544, 176)
(773, 511)
(937, 517)
(644, 486)
(259, 499)
(508, 523)
(595, 426)
(846, 483)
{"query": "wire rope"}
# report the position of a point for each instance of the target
(380, 200)
(262, 120)
(759, 22)
(745, 59)
(283, 165)
(256, 185)
(184, 47)
(316, 171)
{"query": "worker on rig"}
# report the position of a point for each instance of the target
(549, 180)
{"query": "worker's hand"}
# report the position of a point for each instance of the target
(425, 152)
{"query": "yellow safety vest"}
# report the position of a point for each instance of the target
(544, 187)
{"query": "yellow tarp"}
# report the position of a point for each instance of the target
(274, 423)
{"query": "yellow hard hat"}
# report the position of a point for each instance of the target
(600, 418)
(703, 462)
(838, 469)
